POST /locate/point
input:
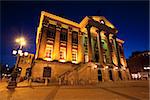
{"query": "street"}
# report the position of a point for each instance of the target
(128, 90)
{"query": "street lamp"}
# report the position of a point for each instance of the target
(21, 41)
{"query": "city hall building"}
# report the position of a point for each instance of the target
(78, 53)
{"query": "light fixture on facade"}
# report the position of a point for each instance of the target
(19, 69)
(75, 62)
(106, 67)
(62, 60)
(95, 66)
(124, 68)
(48, 59)
(116, 67)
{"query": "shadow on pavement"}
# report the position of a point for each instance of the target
(52, 94)
(10, 94)
(121, 94)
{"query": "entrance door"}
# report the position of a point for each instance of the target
(120, 76)
(110, 75)
(47, 72)
(28, 72)
(99, 75)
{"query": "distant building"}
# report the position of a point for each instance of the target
(25, 65)
(72, 52)
(138, 64)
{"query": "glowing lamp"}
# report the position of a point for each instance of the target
(124, 68)
(116, 67)
(106, 67)
(26, 53)
(19, 51)
(14, 52)
(95, 66)
(21, 54)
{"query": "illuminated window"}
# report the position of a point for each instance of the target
(86, 57)
(63, 34)
(62, 54)
(85, 45)
(75, 37)
(49, 50)
(74, 55)
(51, 31)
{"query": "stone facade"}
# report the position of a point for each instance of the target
(74, 53)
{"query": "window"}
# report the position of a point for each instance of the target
(75, 37)
(85, 44)
(102, 22)
(86, 58)
(62, 54)
(74, 56)
(49, 50)
(63, 34)
(51, 31)
(96, 50)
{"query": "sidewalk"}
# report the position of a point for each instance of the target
(26, 84)
(3, 85)
(130, 83)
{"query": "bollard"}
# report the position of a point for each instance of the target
(30, 81)
(46, 81)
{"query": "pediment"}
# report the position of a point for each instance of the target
(100, 19)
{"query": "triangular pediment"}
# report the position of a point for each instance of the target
(84, 22)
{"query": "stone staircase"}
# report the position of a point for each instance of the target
(73, 75)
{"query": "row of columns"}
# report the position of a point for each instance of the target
(101, 48)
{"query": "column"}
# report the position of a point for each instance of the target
(56, 52)
(100, 49)
(89, 43)
(80, 57)
(43, 42)
(124, 59)
(109, 48)
(117, 50)
(69, 46)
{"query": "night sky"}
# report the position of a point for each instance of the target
(22, 18)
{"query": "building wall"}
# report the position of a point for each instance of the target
(25, 62)
(138, 62)
(65, 46)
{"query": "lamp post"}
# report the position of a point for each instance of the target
(13, 81)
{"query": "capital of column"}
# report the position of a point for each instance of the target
(88, 26)
(114, 36)
(107, 34)
(58, 28)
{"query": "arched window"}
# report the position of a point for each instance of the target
(102, 22)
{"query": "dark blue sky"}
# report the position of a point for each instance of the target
(22, 18)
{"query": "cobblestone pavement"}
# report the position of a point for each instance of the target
(131, 90)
